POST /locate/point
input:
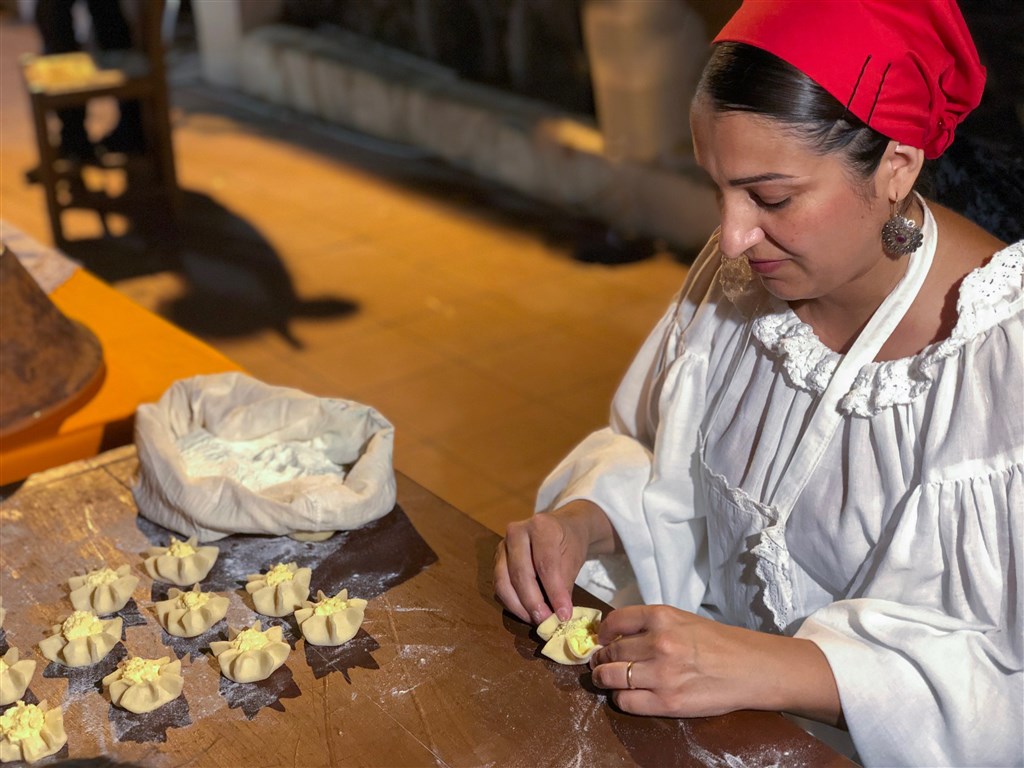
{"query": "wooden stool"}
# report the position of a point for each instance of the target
(65, 80)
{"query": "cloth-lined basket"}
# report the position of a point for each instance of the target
(226, 453)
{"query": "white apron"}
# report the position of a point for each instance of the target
(750, 567)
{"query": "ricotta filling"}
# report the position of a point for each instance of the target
(81, 624)
(280, 573)
(136, 670)
(101, 577)
(22, 722)
(180, 548)
(249, 640)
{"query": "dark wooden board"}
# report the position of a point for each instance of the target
(439, 674)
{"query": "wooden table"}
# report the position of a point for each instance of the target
(438, 675)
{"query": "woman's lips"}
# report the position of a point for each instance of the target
(766, 267)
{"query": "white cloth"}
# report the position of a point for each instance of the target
(226, 453)
(902, 558)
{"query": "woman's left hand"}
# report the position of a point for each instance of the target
(659, 660)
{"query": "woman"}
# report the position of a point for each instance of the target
(815, 465)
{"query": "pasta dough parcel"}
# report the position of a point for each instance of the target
(180, 562)
(15, 675)
(251, 654)
(29, 732)
(572, 641)
(81, 640)
(141, 685)
(103, 590)
(331, 620)
(279, 591)
(189, 614)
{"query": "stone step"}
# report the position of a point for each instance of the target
(527, 145)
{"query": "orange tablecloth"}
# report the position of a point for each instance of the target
(143, 353)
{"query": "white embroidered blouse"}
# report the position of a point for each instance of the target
(902, 558)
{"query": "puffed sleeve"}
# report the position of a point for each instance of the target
(617, 467)
(928, 659)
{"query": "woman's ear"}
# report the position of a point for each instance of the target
(904, 163)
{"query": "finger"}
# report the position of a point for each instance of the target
(619, 675)
(639, 702)
(560, 597)
(634, 647)
(522, 574)
(630, 620)
(503, 588)
(554, 582)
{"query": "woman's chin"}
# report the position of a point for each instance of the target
(781, 289)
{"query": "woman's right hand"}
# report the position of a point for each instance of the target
(536, 564)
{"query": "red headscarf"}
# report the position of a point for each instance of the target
(907, 68)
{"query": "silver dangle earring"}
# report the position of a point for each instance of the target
(900, 235)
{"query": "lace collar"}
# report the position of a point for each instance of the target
(988, 295)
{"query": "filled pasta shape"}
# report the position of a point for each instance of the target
(252, 654)
(81, 640)
(180, 562)
(311, 536)
(279, 591)
(331, 620)
(30, 732)
(572, 641)
(102, 591)
(15, 675)
(141, 685)
(189, 614)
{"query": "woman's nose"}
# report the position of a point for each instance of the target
(740, 229)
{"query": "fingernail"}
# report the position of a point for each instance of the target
(564, 614)
(537, 617)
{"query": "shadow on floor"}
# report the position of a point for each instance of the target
(582, 236)
(236, 283)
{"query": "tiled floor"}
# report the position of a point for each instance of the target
(329, 262)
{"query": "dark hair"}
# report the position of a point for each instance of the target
(742, 78)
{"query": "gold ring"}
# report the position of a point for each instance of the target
(629, 675)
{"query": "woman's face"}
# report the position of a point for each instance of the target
(801, 220)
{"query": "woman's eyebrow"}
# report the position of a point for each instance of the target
(759, 178)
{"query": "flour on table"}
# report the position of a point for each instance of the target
(256, 464)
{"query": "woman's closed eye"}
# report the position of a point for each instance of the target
(768, 205)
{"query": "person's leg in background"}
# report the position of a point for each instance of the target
(57, 29)
(112, 33)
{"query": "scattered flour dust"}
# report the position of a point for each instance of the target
(574, 747)
(421, 657)
(774, 756)
(256, 464)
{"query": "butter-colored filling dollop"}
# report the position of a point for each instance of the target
(249, 640)
(329, 606)
(81, 624)
(580, 635)
(192, 600)
(101, 577)
(280, 573)
(22, 721)
(180, 548)
(136, 670)
(580, 641)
